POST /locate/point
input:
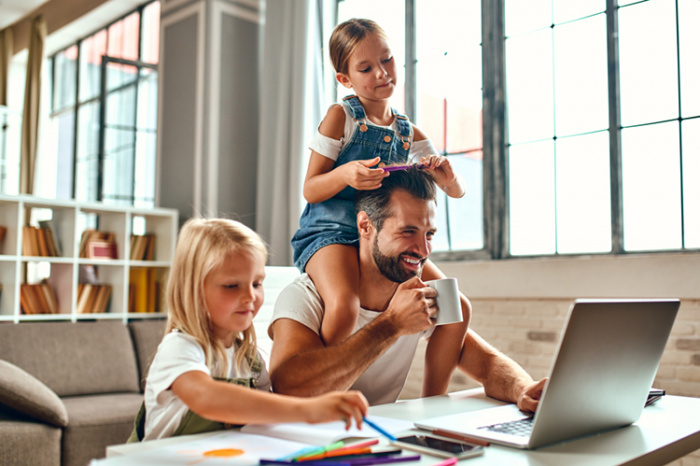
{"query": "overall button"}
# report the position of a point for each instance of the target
(387, 138)
(363, 127)
(406, 146)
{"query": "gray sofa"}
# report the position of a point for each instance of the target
(68, 390)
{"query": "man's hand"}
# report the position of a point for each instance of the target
(412, 307)
(529, 399)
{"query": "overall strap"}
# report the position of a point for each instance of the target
(356, 109)
(404, 126)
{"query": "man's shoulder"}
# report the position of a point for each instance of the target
(299, 301)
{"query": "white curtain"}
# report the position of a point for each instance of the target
(293, 101)
(32, 100)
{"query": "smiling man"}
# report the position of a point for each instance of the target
(396, 224)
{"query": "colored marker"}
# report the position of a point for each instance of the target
(378, 429)
(321, 450)
(448, 462)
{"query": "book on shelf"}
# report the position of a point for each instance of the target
(143, 290)
(38, 242)
(51, 236)
(38, 298)
(93, 298)
(96, 244)
(142, 247)
(3, 230)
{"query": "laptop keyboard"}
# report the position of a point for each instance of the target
(519, 428)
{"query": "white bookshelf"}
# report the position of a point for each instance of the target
(70, 219)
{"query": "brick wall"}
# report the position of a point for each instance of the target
(528, 330)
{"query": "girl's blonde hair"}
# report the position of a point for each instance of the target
(202, 245)
(345, 38)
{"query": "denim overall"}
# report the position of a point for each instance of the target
(333, 221)
(193, 423)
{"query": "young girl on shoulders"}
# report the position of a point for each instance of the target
(353, 142)
(207, 372)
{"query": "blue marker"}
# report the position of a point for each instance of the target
(379, 429)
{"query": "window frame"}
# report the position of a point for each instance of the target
(495, 146)
(77, 103)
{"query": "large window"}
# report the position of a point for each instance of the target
(103, 108)
(587, 115)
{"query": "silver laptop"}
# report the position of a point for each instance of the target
(605, 364)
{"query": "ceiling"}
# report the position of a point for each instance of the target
(14, 10)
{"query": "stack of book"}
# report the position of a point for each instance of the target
(96, 244)
(142, 247)
(38, 298)
(93, 298)
(40, 242)
(143, 290)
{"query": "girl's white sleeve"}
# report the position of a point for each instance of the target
(421, 149)
(327, 147)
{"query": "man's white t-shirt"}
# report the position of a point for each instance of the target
(179, 353)
(383, 381)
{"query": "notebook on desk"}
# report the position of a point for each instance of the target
(604, 366)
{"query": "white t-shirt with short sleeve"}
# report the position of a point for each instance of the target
(179, 353)
(384, 379)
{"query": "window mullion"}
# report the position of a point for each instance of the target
(614, 128)
(410, 60)
(494, 141)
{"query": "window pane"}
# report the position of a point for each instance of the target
(466, 213)
(147, 114)
(65, 68)
(691, 187)
(88, 149)
(145, 176)
(449, 74)
(124, 38)
(119, 146)
(566, 10)
(531, 198)
(688, 15)
(581, 77)
(527, 16)
(583, 194)
(150, 38)
(64, 125)
(529, 87)
(389, 14)
(651, 187)
(91, 51)
(648, 67)
(119, 75)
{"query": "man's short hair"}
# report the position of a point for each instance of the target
(377, 202)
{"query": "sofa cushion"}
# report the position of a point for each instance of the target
(28, 442)
(147, 335)
(22, 392)
(95, 423)
(82, 358)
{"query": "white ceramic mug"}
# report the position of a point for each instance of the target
(449, 306)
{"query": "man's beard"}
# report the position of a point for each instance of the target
(391, 267)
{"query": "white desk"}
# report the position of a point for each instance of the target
(666, 431)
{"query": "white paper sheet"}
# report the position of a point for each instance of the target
(329, 432)
(227, 447)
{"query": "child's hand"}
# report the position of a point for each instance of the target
(440, 169)
(358, 175)
(334, 406)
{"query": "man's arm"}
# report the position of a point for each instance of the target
(301, 365)
(501, 377)
(443, 352)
